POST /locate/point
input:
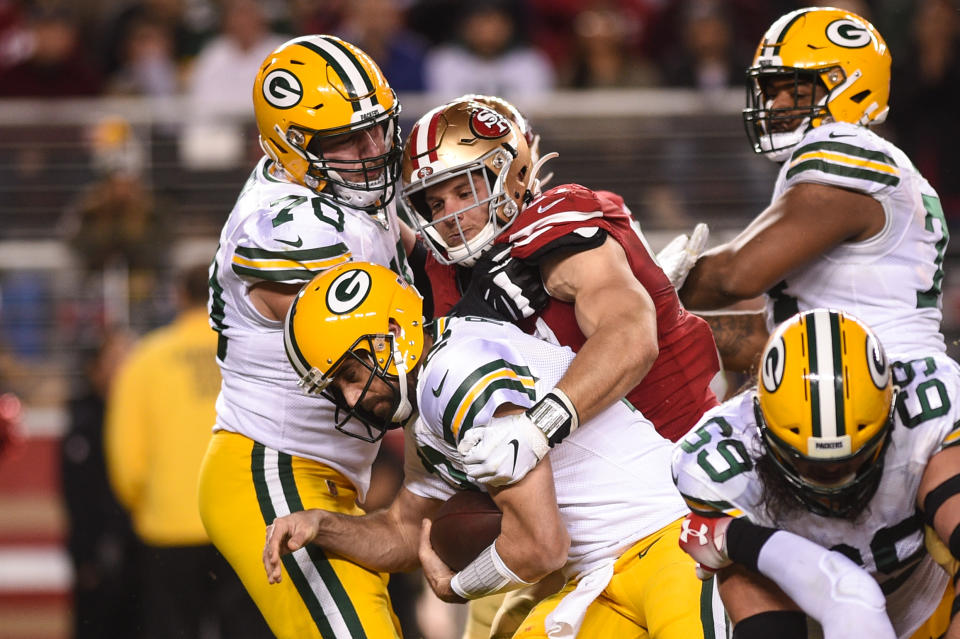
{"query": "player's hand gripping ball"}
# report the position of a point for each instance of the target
(463, 526)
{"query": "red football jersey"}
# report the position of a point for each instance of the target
(676, 390)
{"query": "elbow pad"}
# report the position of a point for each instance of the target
(843, 597)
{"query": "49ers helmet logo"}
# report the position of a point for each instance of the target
(488, 124)
(282, 89)
(847, 33)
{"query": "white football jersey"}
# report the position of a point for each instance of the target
(891, 281)
(612, 475)
(283, 232)
(714, 469)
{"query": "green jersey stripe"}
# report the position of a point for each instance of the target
(481, 401)
(953, 437)
(843, 171)
(436, 462)
(719, 506)
(846, 149)
(284, 275)
(297, 255)
(838, 385)
(467, 386)
(814, 377)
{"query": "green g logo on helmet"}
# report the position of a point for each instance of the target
(282, 89)
(848, 34)
(348, 291)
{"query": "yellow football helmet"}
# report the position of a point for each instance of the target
(314, 91)
(824, 409)
(834, 48)
(467, 138)
(345, 314)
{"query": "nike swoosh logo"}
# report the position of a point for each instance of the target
(543, 209)
(436, 391)
(842, 135)
(296, 244)
(516, 449)
(643, 553)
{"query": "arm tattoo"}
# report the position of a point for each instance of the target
(740, 338)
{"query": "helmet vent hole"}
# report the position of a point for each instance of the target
(297, 62)
(795, 430)
(860, 97)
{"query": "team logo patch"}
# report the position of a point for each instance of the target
(282, 89)
(488, 124)
(771, 372)
(848, 33)
(426, 171)
(348, 291)
(877, 363)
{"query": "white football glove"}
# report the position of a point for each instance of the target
(678, 257)
(705, 539)
(503, 450)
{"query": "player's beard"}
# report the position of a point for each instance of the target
(780, 499)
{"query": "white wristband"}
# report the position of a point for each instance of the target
(485, 575)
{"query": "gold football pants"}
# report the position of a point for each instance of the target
(654, 594)
(243, 487)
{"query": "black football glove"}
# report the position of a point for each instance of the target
(502, 288)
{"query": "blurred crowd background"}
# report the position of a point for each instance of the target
(126, 133)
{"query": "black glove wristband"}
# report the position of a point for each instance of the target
(555, 415)
(745, 540)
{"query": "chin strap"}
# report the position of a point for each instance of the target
(405, 407)
(466, 254)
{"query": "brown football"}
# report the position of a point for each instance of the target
(464, 525)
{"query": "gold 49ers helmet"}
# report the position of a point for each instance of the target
(832, 48)
(512, 113)
(467, 138)
(309, 96)
(824, 408)
(356, 312)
